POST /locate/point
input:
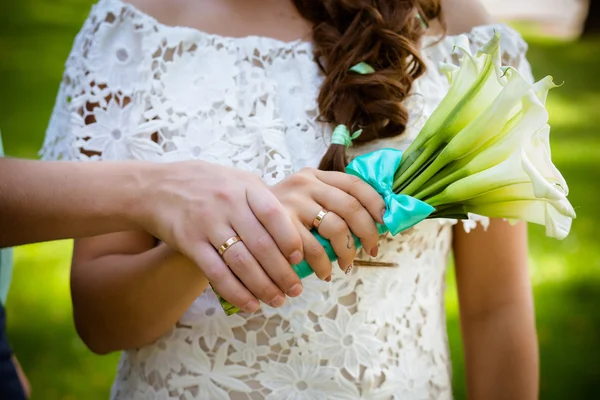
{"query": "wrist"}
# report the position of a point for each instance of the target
(138, 190)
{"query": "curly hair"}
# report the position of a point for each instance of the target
(383, 33)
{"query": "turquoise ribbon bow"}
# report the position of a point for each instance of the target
(402, 211)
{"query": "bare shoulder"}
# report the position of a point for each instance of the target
(166, 11)
(235, 18)
(205, 15)
(153, 7)
(463, 15)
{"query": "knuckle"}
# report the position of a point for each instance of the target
(267, 293)
(339, 228)
(354, 205)
(271, 210)
(263, 243)
(293, 241)
(374, 236)
(256, 181)
(352, 253)
(288, 280)
(300, 179)
(216, 273)
(355, 181)
(223, 195)
(314, 250)
(204, 214)
(238, 300)
(239, 260)
(308, 171)
(322, 269)
(306, 175)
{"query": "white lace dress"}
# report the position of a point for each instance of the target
(136, 89)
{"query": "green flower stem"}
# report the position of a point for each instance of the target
(440, 184)
(428, 155)
(437, 200)
(406, 175)
(452, 211)
(434, 167)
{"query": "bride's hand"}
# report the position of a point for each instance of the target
(352, 205)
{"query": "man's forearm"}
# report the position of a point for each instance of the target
(41, 201)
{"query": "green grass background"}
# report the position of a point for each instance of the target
(35, 38)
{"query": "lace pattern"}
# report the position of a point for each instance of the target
(136, 89)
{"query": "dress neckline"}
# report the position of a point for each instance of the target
(271, 42)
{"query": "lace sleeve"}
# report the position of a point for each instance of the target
(59, 142)
(97, 114)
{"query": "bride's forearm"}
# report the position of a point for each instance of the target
(501, 354)
(496, 312)
(128, 301)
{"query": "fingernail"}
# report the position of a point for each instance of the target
(251, 306)
(296, 257)
(374, 251)
(382, 214)
(295, 290)
(349, 269)
(277, 301)
(328, 279)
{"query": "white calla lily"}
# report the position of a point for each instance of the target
(558, 225)
(518, 130)
(474, 86)
(529, 164)
(526, 186)
(485, 128)
(521, 192)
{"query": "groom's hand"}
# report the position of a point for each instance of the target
(195, 207)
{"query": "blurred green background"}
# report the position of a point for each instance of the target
(35, 38)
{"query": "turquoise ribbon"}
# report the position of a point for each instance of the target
(341, 135)
(378, 170)
(402, 211)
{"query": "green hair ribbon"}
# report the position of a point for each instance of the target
(362, 68)
(341, 135)
(422, 21)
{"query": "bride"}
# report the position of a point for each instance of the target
(258, 85)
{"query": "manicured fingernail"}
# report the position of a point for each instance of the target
(295, 290)
(296, 257)
(382, 214)
(349, 269)
(277, 301)
(328, 279)
(251, 306)
(374, 251)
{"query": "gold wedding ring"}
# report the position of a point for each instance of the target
(319, 218)
(228, 243)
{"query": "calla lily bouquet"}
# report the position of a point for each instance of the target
(485, 150)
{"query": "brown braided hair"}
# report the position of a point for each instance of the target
(384, 34)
